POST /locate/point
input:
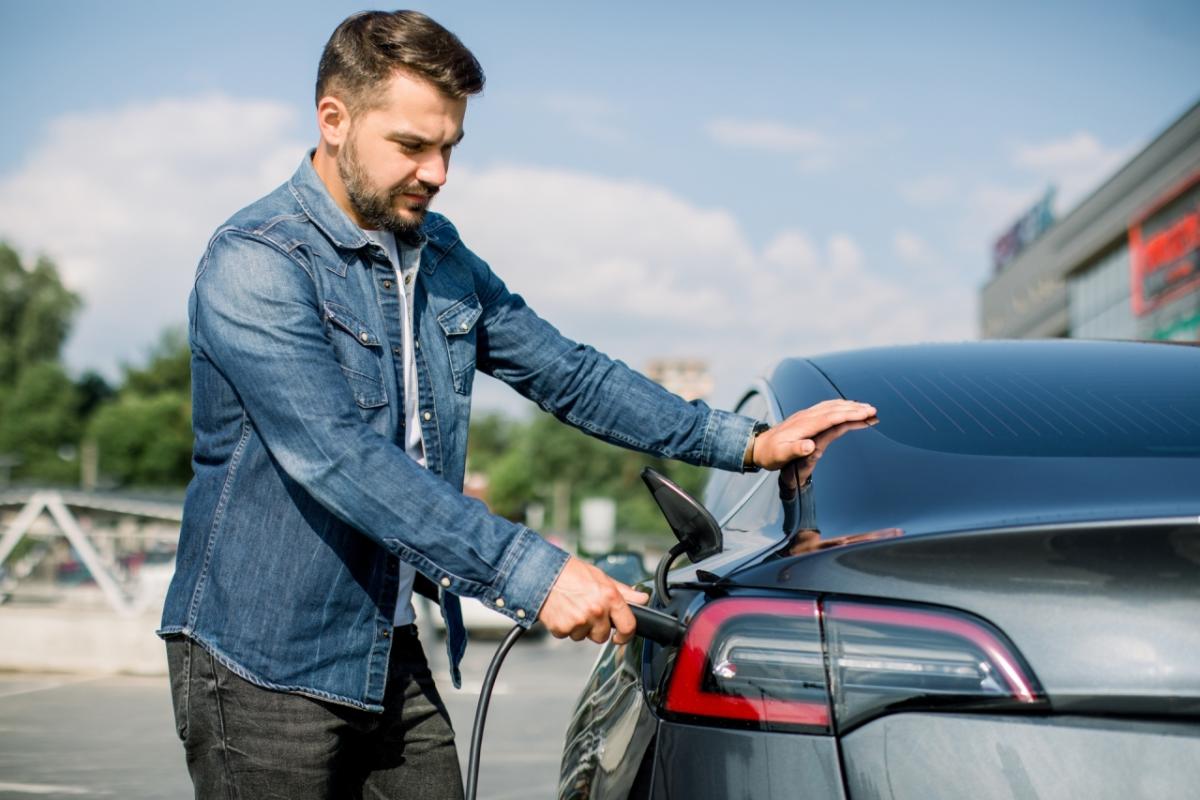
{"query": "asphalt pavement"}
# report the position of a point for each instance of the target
(77, 736)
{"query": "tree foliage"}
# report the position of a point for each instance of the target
(36, 312)
(142, 428)
(39, 406)
(40, 424)
(525, 461)
(144, 433)
(145, 440)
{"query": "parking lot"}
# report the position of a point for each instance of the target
(74, 736)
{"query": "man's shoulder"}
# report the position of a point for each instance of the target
(276, 217)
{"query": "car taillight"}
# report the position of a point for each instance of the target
(753, 661)
(883, 656)
(764, 662)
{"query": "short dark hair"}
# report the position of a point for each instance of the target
(369, 47)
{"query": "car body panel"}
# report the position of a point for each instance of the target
(693, 761)
(905, 757)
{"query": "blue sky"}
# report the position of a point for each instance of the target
(657, 179)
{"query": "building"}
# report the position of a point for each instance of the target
(1123, 264)
(687, 377)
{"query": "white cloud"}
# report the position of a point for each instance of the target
(813, 150)
(1076, 164)
(124, 202)
(639, 272)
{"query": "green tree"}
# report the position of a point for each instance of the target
(533, 460)
(36, 312)
(40, 424)
(145, 440)
(168, 368)
(144, 433)
(39, 405)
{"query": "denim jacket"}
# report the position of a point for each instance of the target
(303, 500)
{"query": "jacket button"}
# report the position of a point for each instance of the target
(364, 337)
(387, 284)
(427, 416)
(445, 581)
(520, 613)
(466, 326)
(416, 344)
(385, 633)
(499, 602)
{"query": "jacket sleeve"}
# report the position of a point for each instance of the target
(597, 394)
(257, 317)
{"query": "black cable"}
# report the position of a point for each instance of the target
(660, 574)
(485, 697)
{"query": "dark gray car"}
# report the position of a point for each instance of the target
(993, 592)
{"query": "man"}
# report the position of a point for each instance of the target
(335, 328)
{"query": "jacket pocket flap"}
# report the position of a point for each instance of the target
(344, 318)
(460, 317)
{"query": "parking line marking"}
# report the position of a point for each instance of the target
(45, 788)
(51, 686)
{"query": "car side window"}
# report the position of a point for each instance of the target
(725, 490)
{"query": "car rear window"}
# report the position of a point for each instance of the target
(1031, 399)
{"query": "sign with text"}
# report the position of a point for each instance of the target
(1164, 247)
(1032, 224)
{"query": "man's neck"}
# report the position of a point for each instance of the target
(324, 163)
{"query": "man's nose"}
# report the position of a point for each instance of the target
(432, 170)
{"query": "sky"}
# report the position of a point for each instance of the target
(737, 183)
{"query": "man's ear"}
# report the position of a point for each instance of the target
(333, 120)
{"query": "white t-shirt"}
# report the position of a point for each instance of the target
(405, 260)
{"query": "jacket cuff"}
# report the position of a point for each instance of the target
(728, 437)
(522, 585)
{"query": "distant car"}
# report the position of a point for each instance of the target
(625, 566)
(993, 592)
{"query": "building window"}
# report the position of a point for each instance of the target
(1098, 299)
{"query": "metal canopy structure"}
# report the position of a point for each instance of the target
(58, 504)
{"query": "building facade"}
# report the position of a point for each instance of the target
(1123, 264)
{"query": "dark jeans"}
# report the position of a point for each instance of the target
(244, 742)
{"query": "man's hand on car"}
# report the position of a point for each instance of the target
(793, 438)
(586, 603)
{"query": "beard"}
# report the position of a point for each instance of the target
(377, 207)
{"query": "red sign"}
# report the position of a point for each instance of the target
(1164, 248)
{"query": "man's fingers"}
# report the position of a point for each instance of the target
(624, 623)
(631, 595)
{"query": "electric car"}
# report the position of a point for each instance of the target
(991, 590)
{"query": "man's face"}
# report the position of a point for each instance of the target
(395, 156)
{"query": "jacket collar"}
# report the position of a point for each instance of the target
(310, 192)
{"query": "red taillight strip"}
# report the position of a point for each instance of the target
(685, 695)
(1020, 684)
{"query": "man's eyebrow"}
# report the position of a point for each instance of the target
(407, 137)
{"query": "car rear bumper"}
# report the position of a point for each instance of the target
(918, 756)
(947, 755)
(697, 762)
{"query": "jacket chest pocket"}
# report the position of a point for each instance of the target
(359, 352)
(458, 324)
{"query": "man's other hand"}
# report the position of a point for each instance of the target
(793, 438)
(586, 603)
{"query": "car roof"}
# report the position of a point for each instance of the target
(992, 434)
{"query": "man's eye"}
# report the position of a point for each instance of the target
(410, 147)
